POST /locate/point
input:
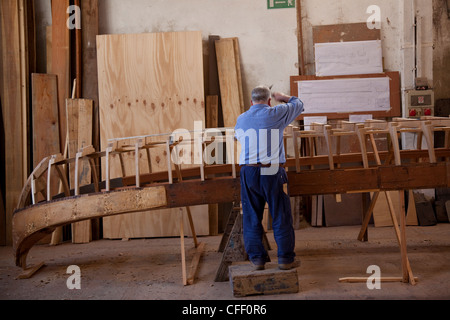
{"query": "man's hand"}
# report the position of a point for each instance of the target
(281, 97)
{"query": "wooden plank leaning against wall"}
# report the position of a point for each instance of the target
(45, 119)
(17, 27)
(79, 112)
(61, 61)
(228, 61)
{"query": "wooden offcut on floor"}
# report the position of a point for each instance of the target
(245, 281)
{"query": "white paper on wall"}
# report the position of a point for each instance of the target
(345, 95)
(348, 58)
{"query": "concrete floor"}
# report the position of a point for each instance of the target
(150, 269)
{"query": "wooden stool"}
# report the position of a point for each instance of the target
(271, 281)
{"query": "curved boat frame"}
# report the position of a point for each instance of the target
(309, 174)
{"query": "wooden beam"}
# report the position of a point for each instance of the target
(301, 55)
(24, 83)
(195, 263)
(80, 136)
(61, 61)
(89, 85)
(78, 51)
(365, 279)
(192, 193)
(364, 180)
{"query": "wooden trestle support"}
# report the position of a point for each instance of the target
(368, 170)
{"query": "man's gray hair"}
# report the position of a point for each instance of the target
(261, 94)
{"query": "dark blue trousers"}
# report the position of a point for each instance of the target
(256, 190)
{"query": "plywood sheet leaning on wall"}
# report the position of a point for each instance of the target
(149, 84)
(230, 78)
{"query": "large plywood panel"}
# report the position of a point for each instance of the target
(149, 84)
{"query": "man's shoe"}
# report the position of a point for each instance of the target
(289, 266)
(258, 267)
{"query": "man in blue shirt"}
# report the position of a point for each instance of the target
(263, 179)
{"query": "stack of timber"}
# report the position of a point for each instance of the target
(18, 60)
(149, 84)
(34, 105)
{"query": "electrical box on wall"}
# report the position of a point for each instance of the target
(420, 103)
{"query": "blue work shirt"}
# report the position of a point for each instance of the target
(260, 132)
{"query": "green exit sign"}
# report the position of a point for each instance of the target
(280, 4)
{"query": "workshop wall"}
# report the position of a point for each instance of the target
(328, 12)
(267, 38)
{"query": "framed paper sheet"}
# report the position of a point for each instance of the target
(345, 95)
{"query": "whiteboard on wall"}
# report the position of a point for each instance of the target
(345, 95)
(348, 58)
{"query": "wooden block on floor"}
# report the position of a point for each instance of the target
(272, 281)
